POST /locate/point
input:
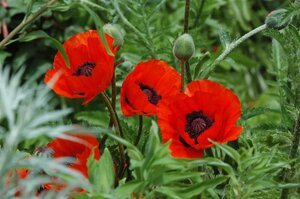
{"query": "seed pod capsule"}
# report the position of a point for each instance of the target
(114, 31)
(184, 47)
(277, 19)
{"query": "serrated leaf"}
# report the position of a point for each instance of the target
(271, 127)
(224, 38)
(250, 113)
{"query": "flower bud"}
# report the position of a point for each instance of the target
(184, 47)
(277, 19)
(114, 31)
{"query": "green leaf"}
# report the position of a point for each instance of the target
(99, 28)
(29, 8)
(203, 186)
(224, 38)
(40, 35)
(80, 196)
(96, 118)
(228, 150)
(154, 140)
(3, 56)
(101, 172)
(250, 113)
(178, 176)
(201, 63)
(213, 162)
(170, 192)
(126, 190)
(132, 151)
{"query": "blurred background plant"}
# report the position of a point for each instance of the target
(263, 71)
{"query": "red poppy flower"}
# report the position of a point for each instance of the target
(80, 151)
(146, 86)
(90, 71)
(206, 110)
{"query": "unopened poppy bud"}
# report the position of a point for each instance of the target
(184, 47)
(114, 31)
(277, 19)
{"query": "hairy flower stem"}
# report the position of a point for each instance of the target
(182, 67)
(206, 73)
(186, 30)
(186, 16)
(26, 22)
(113, 91)
(188, 72)
(140, 130)
(113, 101)
(289, 174)
(116, 123)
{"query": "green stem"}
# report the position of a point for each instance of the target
(188, 72)
(230, 48)
(116, 123)
(26, 22)
(186, 30)
(289, 174)
(113, 100)
(113, 91)
(182, 67)
(186, 16)
(93, 5)
(113, 104)
(140, 130)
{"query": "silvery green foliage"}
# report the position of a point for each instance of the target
(26, 112)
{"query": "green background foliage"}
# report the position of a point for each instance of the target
(264, 72)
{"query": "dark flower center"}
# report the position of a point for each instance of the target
(85, 69)
(152, 95)
(196, 123)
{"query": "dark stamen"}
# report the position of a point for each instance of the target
(196, 123)
(184, 142)
(128, 102)
(152, 95)
(85, 69)
(80, 93)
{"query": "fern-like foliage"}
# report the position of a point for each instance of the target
(26, 112)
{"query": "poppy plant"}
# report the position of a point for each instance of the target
(146, 86)
(79, 149)
(206, 110)
(91, 67)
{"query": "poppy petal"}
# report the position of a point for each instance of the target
(90, 71)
